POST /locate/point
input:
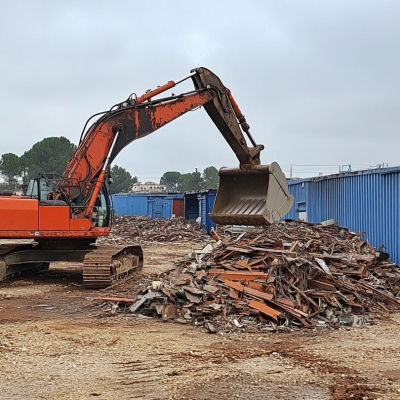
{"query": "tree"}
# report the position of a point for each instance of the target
(10, 169)
(192, 181)
(211, 178)
(50, 155)
(177, 182)
(172, 180)
(122, 180)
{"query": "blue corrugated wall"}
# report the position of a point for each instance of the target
(200, 204)
(159, 207)
(126, 204)
(207, 200)
(364, 201)
(153, 205)
(299, 190)
(120, 204)
(137, 205)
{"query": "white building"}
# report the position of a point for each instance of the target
(148, 187)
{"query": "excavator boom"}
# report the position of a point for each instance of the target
(63, 222)
(251, 194)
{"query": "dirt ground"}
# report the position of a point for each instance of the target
(54, 344)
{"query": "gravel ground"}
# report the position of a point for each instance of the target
(54, 345)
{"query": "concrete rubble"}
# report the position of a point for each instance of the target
(290, 275)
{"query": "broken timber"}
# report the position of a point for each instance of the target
(286, 276)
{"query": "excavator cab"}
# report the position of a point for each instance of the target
(101, 214)
(257, 195)
(41, 186)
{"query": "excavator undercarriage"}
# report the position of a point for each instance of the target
(101, 265)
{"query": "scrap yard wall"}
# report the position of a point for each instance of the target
(363, 201)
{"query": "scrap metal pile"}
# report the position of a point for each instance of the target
(139, 229)
(288, 275)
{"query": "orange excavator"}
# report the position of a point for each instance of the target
(60, 217)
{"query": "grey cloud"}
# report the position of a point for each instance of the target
(317, 81)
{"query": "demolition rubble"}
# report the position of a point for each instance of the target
(142, 229)
(290, 275)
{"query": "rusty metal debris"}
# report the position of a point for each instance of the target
(290, 275)
(142, 229)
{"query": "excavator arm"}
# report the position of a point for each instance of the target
(227, 116)
(137, 117)
(61, 223)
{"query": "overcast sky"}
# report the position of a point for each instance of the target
(318, 81)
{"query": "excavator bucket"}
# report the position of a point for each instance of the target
(255, 196)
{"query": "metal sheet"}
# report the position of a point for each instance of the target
(137, 205)
(178, 207)
(120, 204)
(130, 204)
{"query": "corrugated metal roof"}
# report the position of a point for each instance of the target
(381, 171)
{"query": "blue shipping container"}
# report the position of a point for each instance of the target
(159, 207)
(200, 204)
(192, 209)
(152, 204)
(207, 200)
(137, 205)
(129, 204)
(120, 204)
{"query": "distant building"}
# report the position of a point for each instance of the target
(148, 187)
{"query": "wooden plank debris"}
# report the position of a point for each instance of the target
(258, 294)
(270, 312)
(234, 285)
(116, 299)
(238, 276)
(289, 275)
(143, 229)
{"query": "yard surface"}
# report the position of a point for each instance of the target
(54, 344)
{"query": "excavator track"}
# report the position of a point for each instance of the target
(104, 265)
